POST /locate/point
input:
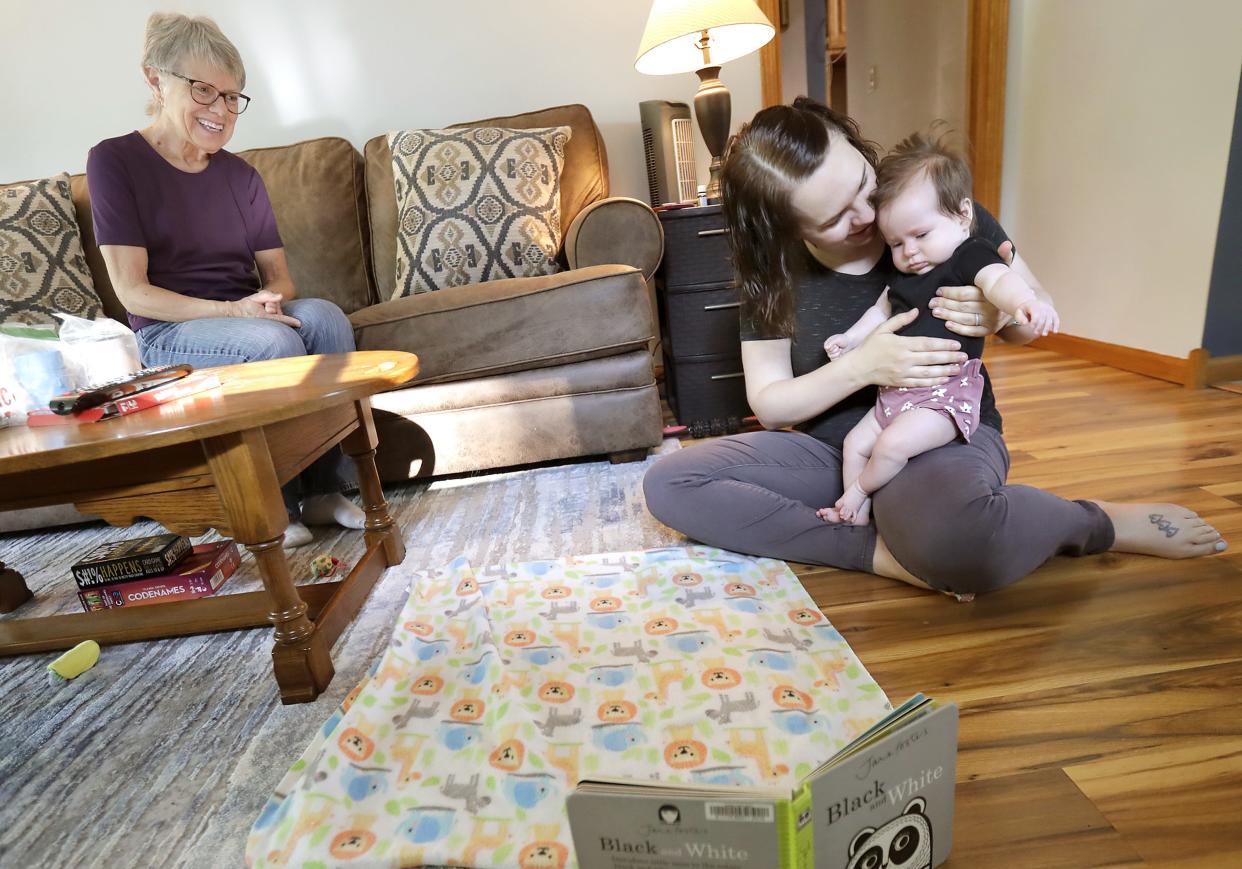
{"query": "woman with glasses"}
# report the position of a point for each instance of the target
(190, 241)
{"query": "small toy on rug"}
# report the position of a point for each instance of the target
(323, 566)
(73, 663)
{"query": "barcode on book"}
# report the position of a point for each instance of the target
(763, 813)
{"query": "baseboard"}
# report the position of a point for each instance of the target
(1157, 365)
(1207, 370)
(1197, 370)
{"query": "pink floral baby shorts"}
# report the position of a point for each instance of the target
(958, 399)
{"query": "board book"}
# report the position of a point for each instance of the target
(885, 800)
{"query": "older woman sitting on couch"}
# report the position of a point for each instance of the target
(182, 225)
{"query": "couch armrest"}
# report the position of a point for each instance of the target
(513, 324)
(616, 230)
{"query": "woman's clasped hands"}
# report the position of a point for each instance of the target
(264, 305)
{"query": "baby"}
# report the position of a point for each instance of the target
(924, 212)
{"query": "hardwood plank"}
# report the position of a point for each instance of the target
(1176, 804)
(1105, 721)
(1101, 698)
(1130, 617)
(1038, 820)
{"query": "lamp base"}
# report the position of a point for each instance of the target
(712, 108)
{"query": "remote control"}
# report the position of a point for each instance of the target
(139, 381)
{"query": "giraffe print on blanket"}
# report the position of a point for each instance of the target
(501, 689)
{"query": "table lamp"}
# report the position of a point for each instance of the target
(699, 36)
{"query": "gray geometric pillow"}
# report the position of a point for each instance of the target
(476, 204)
(42, 268)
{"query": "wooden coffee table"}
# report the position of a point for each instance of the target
(217, 460)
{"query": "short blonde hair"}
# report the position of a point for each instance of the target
(172, 37)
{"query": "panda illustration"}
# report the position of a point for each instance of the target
(905, 842)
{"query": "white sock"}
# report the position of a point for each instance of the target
(296, 535)
(333, 508)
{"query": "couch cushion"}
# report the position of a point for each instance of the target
(476, 204)
(316, 188)
(589, 408)
(584, 179)
(514, 324)
(623, 371)
(42, 266)
(94, 259)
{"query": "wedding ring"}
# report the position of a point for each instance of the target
(978, 319)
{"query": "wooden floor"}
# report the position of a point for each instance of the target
(1101, 698)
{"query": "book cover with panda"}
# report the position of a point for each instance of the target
(890, 803)
(885, 801)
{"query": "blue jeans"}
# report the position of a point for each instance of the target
(227, 341)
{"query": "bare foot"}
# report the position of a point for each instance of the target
(829, 514)
(864, 513)
(854, 506)
(1162, 530)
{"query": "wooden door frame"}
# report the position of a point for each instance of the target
(987, 30)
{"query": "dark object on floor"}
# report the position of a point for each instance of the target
(714, 427)
(13, 590)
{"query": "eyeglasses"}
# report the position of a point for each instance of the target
(206, 94)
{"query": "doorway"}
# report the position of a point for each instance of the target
(897, 65)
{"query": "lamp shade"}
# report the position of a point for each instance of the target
(735, 29)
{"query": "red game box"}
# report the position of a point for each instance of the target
(199, 574)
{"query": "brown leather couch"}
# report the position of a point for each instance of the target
(513, 371)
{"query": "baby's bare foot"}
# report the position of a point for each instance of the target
(854, 506)
(829, 514)
(864, 513)
(1163, 530)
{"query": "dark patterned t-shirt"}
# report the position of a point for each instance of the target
(200, 229)
(828, 302)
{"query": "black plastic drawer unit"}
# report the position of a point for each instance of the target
(699, 322)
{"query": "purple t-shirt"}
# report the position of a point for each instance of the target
(200, 229)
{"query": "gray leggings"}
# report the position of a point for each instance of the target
(948, 517)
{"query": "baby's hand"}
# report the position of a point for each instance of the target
(1040, 316)
(837, 346)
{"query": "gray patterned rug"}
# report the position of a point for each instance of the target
(164, 753)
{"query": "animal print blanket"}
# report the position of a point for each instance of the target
(504, 687)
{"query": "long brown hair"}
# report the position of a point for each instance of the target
(778, 149)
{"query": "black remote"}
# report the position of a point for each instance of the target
(139, 381)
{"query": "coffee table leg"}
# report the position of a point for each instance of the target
(360, 445)
(241, 467)
(13, 589)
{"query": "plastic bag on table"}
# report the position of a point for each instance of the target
(98, 350)
(33, 369)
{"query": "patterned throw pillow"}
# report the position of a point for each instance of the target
(476, 204)
(42, 268)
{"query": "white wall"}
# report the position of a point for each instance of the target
(793, 53)
(70, 72)
(918, 52)
(1117, 128)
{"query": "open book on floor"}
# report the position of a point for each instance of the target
(885, 800)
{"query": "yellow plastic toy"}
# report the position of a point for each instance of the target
(73, 663)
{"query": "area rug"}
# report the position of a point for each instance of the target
(502, 687)
(165, 752)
